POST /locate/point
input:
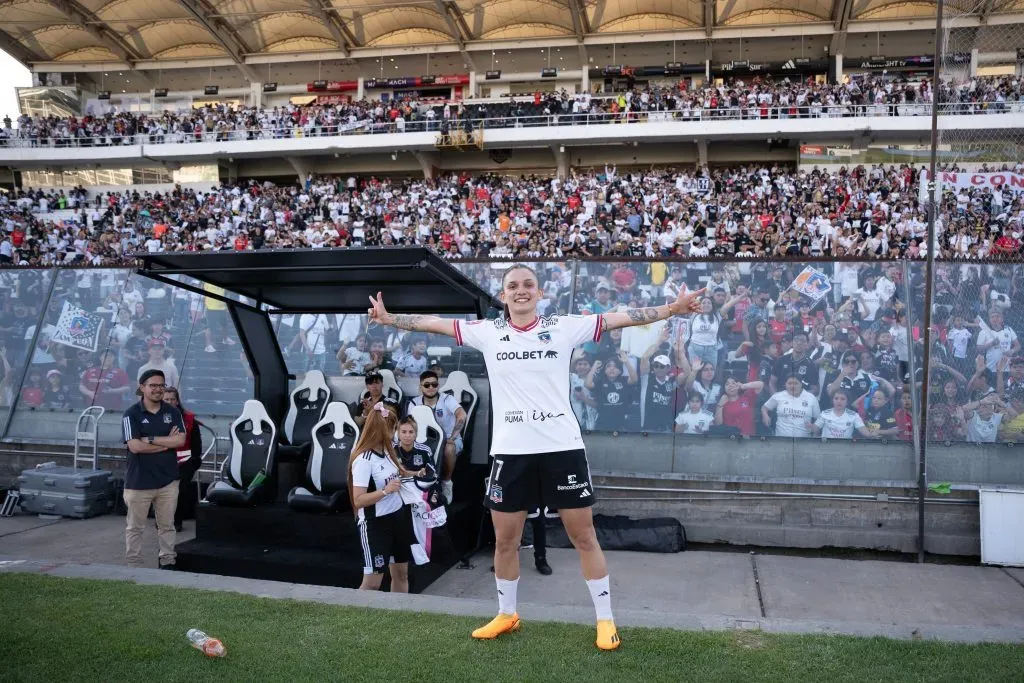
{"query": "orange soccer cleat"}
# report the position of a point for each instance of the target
(503, 623)
(607, 635)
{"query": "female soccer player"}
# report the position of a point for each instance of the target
(537, 445)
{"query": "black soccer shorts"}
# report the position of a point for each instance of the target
(386, 540)
(522, 482)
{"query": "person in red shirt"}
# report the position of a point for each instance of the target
(737, 406)
(779, 325)
(904, 417)
(241, 241)
(105, 384)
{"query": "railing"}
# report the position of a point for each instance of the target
(510, 120)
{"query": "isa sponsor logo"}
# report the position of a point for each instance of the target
(495, 495)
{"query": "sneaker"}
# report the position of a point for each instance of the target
(503, 623)
(229, 342)
(607, 636)
(543, 567)
(446, 490)
(210, 349)
(170, 566)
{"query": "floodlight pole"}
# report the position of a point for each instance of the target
(929, 276)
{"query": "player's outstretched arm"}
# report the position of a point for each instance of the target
(684, 304)
(419, 323)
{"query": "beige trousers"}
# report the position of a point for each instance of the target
(164, 500)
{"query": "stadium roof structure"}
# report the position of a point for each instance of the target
(146, 33)
(411, 279)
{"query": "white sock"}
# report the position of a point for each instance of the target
(601, 594)
(507, 595)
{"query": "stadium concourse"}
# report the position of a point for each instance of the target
(754, 98)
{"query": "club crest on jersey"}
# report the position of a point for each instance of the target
(167, 418)
(378, 561)
(495, 496)
(544, 337)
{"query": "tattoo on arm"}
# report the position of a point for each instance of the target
(406, 322)
(643, 315)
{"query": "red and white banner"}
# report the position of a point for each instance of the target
(958, 181)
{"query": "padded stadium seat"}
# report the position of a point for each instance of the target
(307, 405)
(457, 384)
(391, 389)
(253, 450)
(429, 432)
(327, 471)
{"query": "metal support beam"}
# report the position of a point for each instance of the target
(201, 11)
(581, 26)
(709, 16)
(842, 14)
(18, 49)
(333, 24)
(448, 11)
(98, 29)
(987, 8)
(101, 31)
(726, 11)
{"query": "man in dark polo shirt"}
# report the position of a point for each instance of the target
(153, 432)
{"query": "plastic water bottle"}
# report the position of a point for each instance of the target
(211, 647)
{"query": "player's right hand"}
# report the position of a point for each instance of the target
(393, 486)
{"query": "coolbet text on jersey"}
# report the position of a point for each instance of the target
(529, 371)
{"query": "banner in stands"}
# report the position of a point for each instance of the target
(950, 180)
(416, 81)
(332, 86)
(333, 99)
(694, 185)
(78, 328)
(812, 283)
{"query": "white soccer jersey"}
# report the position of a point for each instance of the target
(793, 412)
(444, 412)
(528, 368)
(373, 471)
(834, 426)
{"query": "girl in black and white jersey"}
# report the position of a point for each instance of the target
(413, 456)
(385, 529)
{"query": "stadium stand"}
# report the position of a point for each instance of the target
(744, 211)
(756, 98)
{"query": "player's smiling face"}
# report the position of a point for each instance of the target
(520, 292)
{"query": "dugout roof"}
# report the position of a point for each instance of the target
(412, 279)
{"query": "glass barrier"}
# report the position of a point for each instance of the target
(786, 366)
(102, 328)
(88, 348)
(792, 370)
(976, 383)
(22, 298)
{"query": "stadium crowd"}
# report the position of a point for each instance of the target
(754, 97)
(752, 211)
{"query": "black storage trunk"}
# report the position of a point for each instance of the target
(52, 490)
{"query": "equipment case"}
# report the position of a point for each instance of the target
(52, 490)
